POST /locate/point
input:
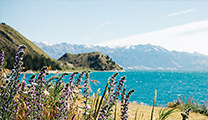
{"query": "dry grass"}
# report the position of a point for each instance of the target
(145, 111)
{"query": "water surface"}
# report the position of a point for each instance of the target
(169, 84)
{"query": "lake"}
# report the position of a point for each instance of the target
(169, 84)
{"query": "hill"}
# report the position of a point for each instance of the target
(140, 57)
(34, 57)
(94, 61)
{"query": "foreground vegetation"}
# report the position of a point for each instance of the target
(144, 113)
(53, 99)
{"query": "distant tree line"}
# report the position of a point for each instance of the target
(34, 62)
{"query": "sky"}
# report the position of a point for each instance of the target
(180, 25)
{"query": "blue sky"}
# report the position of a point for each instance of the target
(174, 25)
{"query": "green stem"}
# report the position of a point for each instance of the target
(154, 105)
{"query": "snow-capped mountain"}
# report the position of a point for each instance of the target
(136, 57)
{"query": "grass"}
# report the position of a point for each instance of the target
(146, 112)
(19, 39)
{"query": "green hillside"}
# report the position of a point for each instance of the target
(94, 61)
(34, 57)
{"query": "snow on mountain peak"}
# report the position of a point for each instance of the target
(156, 49)
(46, 43)
(88, 46)
(147, 50)
(130, 47)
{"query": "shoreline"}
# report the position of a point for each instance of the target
(69, 71)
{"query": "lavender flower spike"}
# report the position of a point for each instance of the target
(18, 61)
(124, 109)
(1, 62)
(1, 57)
(8, 101)
(86, 95)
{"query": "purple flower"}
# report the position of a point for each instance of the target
(79, 79)
(13, 87)
(1, 57)
(124, 105)
(41, 105)
(62, 102)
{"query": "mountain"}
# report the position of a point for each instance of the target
(93, 60)
(34, 57)
(148, 57)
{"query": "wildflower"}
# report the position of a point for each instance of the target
(46, 92)
(12, 83)
(124, 104)
(121, 84)
(28, 86)
(112, 97)
(18, 61)
(79, 79)
(64, 105)
(86, 94)
(76, 91)
(1, 57)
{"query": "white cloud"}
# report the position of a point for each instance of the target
(189, 37)
(181, 12)
(88, 38)
(104, 24)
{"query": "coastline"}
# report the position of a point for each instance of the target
(69, 71)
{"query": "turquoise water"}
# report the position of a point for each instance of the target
(169, 85)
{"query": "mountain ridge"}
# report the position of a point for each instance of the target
(141, 57)
(16, 38)
(34, 57)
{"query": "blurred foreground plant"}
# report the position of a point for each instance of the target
(39, 98)
(9, 90)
